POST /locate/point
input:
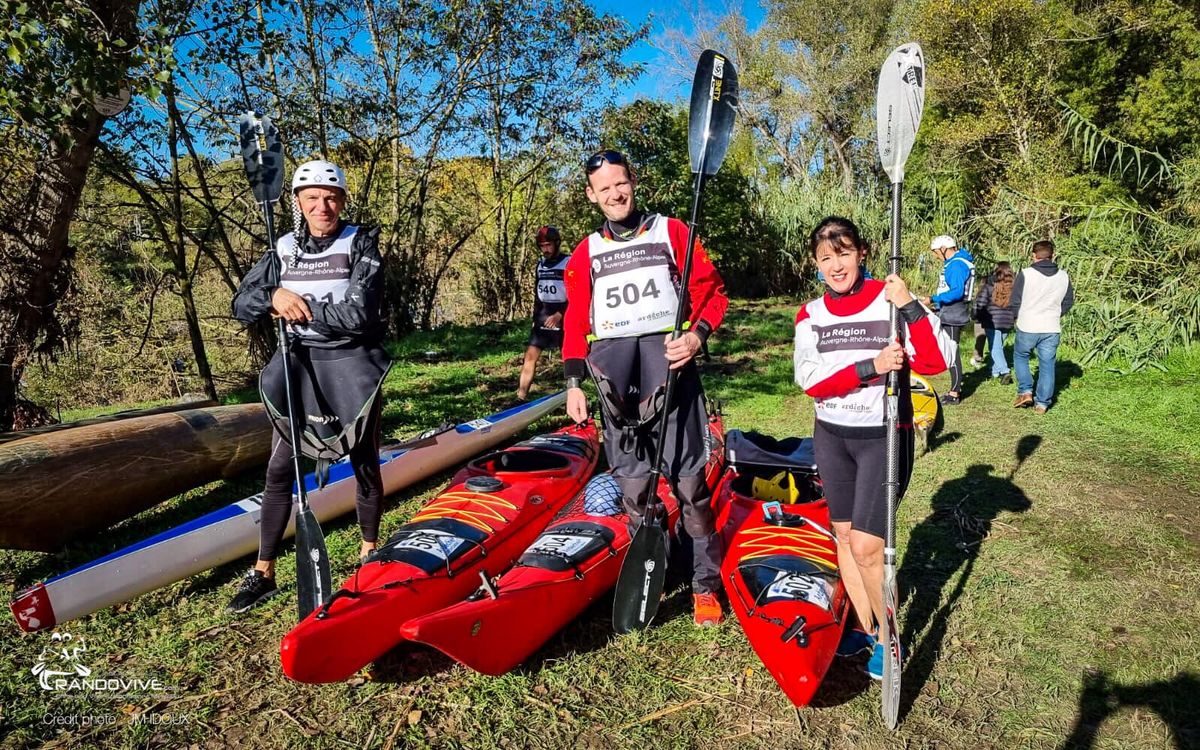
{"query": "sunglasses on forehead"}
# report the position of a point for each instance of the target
(598, 160)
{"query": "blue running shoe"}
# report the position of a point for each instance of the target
(875, 664)
(855, 641)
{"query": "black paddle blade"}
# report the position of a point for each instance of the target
(640, 585)
(313, 583)
(889, 636)
(262, 156)
(714, 103)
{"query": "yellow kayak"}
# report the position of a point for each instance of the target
(925, 410)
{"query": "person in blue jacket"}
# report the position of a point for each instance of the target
(952, 303)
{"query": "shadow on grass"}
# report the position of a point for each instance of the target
(938, 438)
(1064, 372)
(945, 543)
(1176, 701)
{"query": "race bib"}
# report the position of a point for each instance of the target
(551, 291)
(633, 290)
(790, 586)
(567, 545)
(439, 544)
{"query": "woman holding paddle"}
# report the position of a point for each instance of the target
(843, 350)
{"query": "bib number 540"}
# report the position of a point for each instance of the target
(629, 294)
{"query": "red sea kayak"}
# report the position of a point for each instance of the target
(780, 574)
(573, 562)
(489, 513)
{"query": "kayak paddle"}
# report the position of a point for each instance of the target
(264, 169)
(899, 102)
(714, 103)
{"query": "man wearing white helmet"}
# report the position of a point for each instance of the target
(329, 290)
(955, 288)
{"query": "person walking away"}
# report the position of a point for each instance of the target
(843, 353)
(1042, 294)
(623, 291)
(549, 304)
(994, 311)
(330, 291)
(951, 302)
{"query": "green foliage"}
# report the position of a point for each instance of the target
(732, 226)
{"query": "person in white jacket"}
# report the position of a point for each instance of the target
(1041, 295)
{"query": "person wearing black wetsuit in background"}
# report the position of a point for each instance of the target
(549, 304)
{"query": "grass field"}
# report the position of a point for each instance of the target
(1049, 602)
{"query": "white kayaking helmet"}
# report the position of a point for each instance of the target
(318, 173)
(943, 241)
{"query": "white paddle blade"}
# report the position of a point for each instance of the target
(893, 663)
(899, 102)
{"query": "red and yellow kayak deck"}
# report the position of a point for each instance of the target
(572, 563)
(485, 518)
(780, 575)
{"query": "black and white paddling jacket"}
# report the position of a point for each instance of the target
(837, 338)
(550, 296)
(337, 360)
(340, 277)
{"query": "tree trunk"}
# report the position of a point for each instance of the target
(36, 267)
(35, 254)
(178, 249)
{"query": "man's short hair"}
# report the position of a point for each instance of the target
(1043, 249)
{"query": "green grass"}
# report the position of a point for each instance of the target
(1049, 594)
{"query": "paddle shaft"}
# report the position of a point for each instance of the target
(680, 317)
(891, 403)
(285, 349)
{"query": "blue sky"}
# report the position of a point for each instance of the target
(661, 80)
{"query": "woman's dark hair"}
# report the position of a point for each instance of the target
(836, 228)
(1002, 284)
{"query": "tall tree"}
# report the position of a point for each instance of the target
(58, 57)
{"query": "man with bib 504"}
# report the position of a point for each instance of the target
(623, 290)
(549, 304)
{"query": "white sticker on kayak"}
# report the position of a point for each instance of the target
(560, 544)
(477, 424)
(798, 586)
(440, 544)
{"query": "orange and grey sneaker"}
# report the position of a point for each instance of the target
(707, 610)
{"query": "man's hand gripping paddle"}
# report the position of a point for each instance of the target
(714, 103)
(262, 156)
(898, 105)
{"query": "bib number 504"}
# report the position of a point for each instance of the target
(629, 294)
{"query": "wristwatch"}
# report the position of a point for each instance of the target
(574, 383)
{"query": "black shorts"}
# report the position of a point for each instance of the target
(853, 471)
(545, 338)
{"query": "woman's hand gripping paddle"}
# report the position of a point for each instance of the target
(898, 105)
(262, 156)
(714, 103)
